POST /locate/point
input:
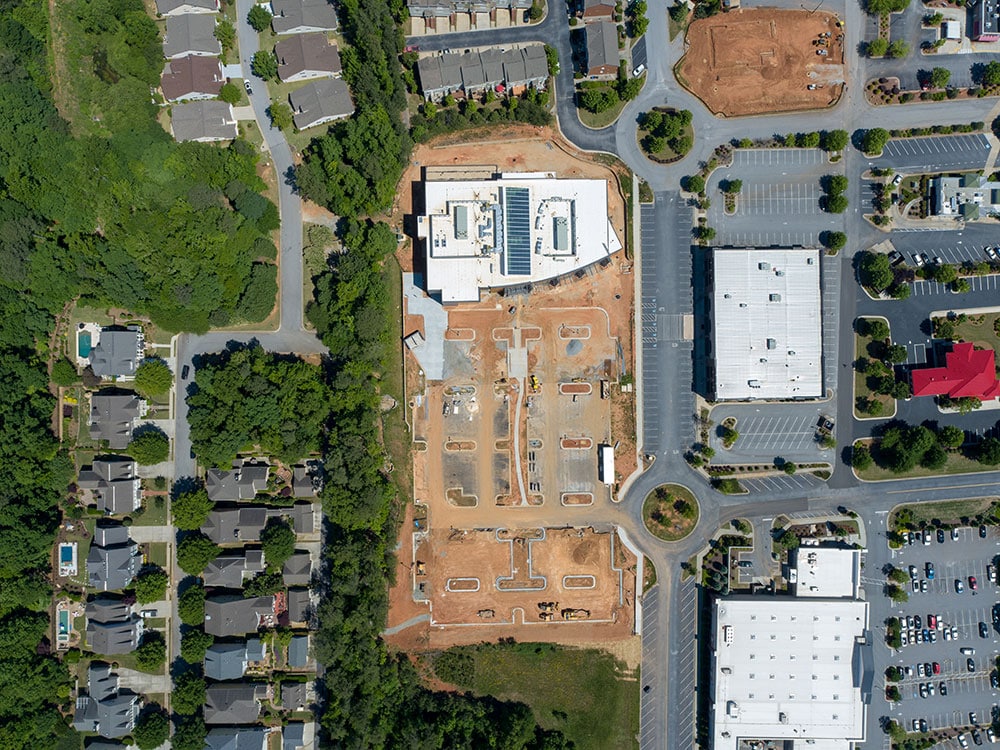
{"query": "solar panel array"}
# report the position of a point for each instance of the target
(517, 218)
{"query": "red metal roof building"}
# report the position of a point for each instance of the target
(968, 372)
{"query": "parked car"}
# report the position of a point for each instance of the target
(246, 85)
(933, 634)
(954, 535)
(940, 536)
(954, 633)
(973, 584)
(984, 630)
(909, 618)
(963, 741)
(977, 737)
(932, 621)
(970, 665)
(982, 531)
(185, 371)
(924, 586)
(943, 688)
(967, 651)
(915, 585)
(920, 670)
(897, 179)
(991, 573)
(990, 252)
(923, 690)
(919, 260)
(991, 735)
(927, 537)
(946, 633)
(937, 667)
(917, 622)
(913, 572)
(994, 680)
(929, 570)
(639, 70)
(959, 586)
(972, 717)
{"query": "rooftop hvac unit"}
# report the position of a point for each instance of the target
(774, 297)
(782, 717)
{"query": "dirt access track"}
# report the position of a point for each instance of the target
(757, 61)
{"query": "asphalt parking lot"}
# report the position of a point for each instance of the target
(966, 691)
(779, 202)
(976, 284)
(934, 153)
(771, 431)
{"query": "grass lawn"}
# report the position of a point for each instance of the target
(947, 511)
(155, 513)
(675, 28)
(957, 464)
(662, 516)
(396, 432)
(861, 389)
(981, 330)
(587, 694)
(157, 554)
(600, 119)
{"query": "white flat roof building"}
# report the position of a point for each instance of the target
(516, 229)
(825, 572)
(767, 324)
(786, 670)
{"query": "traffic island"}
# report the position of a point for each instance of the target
(670, 512)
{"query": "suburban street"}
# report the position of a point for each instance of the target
(669, 273)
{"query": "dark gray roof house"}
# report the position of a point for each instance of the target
(226, 661)
(602, 48)
(230, 569)
(303, 517)
(475, 72)
(242, 482)
(297, 570)
(117, 352)
(234, 615)
(232, 525)
(293, 696)
(256, 650)
(307, 479)
(234, 702)
(293, 736)
(116, 637)
(113, 416)
(114, 484)
(113, 559)
(305, 56)
(191, 34)
(320, 102)
(298, 651)
(299, 605)
(107, 609)
(236, 738)
(103, 708)
(300, 16)
(179, 7)
(204, 121)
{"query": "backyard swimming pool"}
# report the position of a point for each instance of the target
(65, 554)
(67, 559)
(63, 622)
(83, 344)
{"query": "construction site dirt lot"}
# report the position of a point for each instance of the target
(749, 62)
(532, 584)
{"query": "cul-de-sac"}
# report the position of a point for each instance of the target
(523, 374)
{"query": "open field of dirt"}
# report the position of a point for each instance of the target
(754, 61)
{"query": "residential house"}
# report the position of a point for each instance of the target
(299, 605)
(230, 569)
(473, 73)
(303, 517)
(294, 696)
(297, 570)
(226, 661)
(294, 735)
(303, 16)
(204, 121)
(234, 702)
(111, 627)
(180, 7)
(598, 10)
(113, 482)
(113, 559)
(320, 102)
(117, 353)
(233, 525)
(439, 16)
(968, 373)
(113, 416)
(234, 615)
(298, 652)
(191, 34)
(256, 651)
(236, 738)
(971, 196)
(307, 479)
(192, 77)
(602, 49)
(242, 482)
(103, 708)
(305, 56)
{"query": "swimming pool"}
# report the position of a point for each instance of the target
(63, 622)
(65, 554)
(83, 344)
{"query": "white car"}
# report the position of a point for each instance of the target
(897, 179)
(639, 70)
(962, 740)
(991, 252)
(919, 260)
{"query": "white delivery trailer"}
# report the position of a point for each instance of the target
(606, 463)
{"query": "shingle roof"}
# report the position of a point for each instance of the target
(293, 735)
(242, 482)
(304, 53)
(191, 34)
(321, 101)
(113, 559)
(298, 651)
(293, 695)
(206, 120)
(116, 353)
(307, 480)
(111, 638)
(236, 738)
(226, 661)
(294, 16)
(112, 416)
(233, 615)
(107, 609)
(231, 525)
(164, 7)
(101, 682)
(233, 702)
(230, 569)
(256, 650)
(191, 77)
(297, 570)
(602, 44)
(114, 484)
(299, 605)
